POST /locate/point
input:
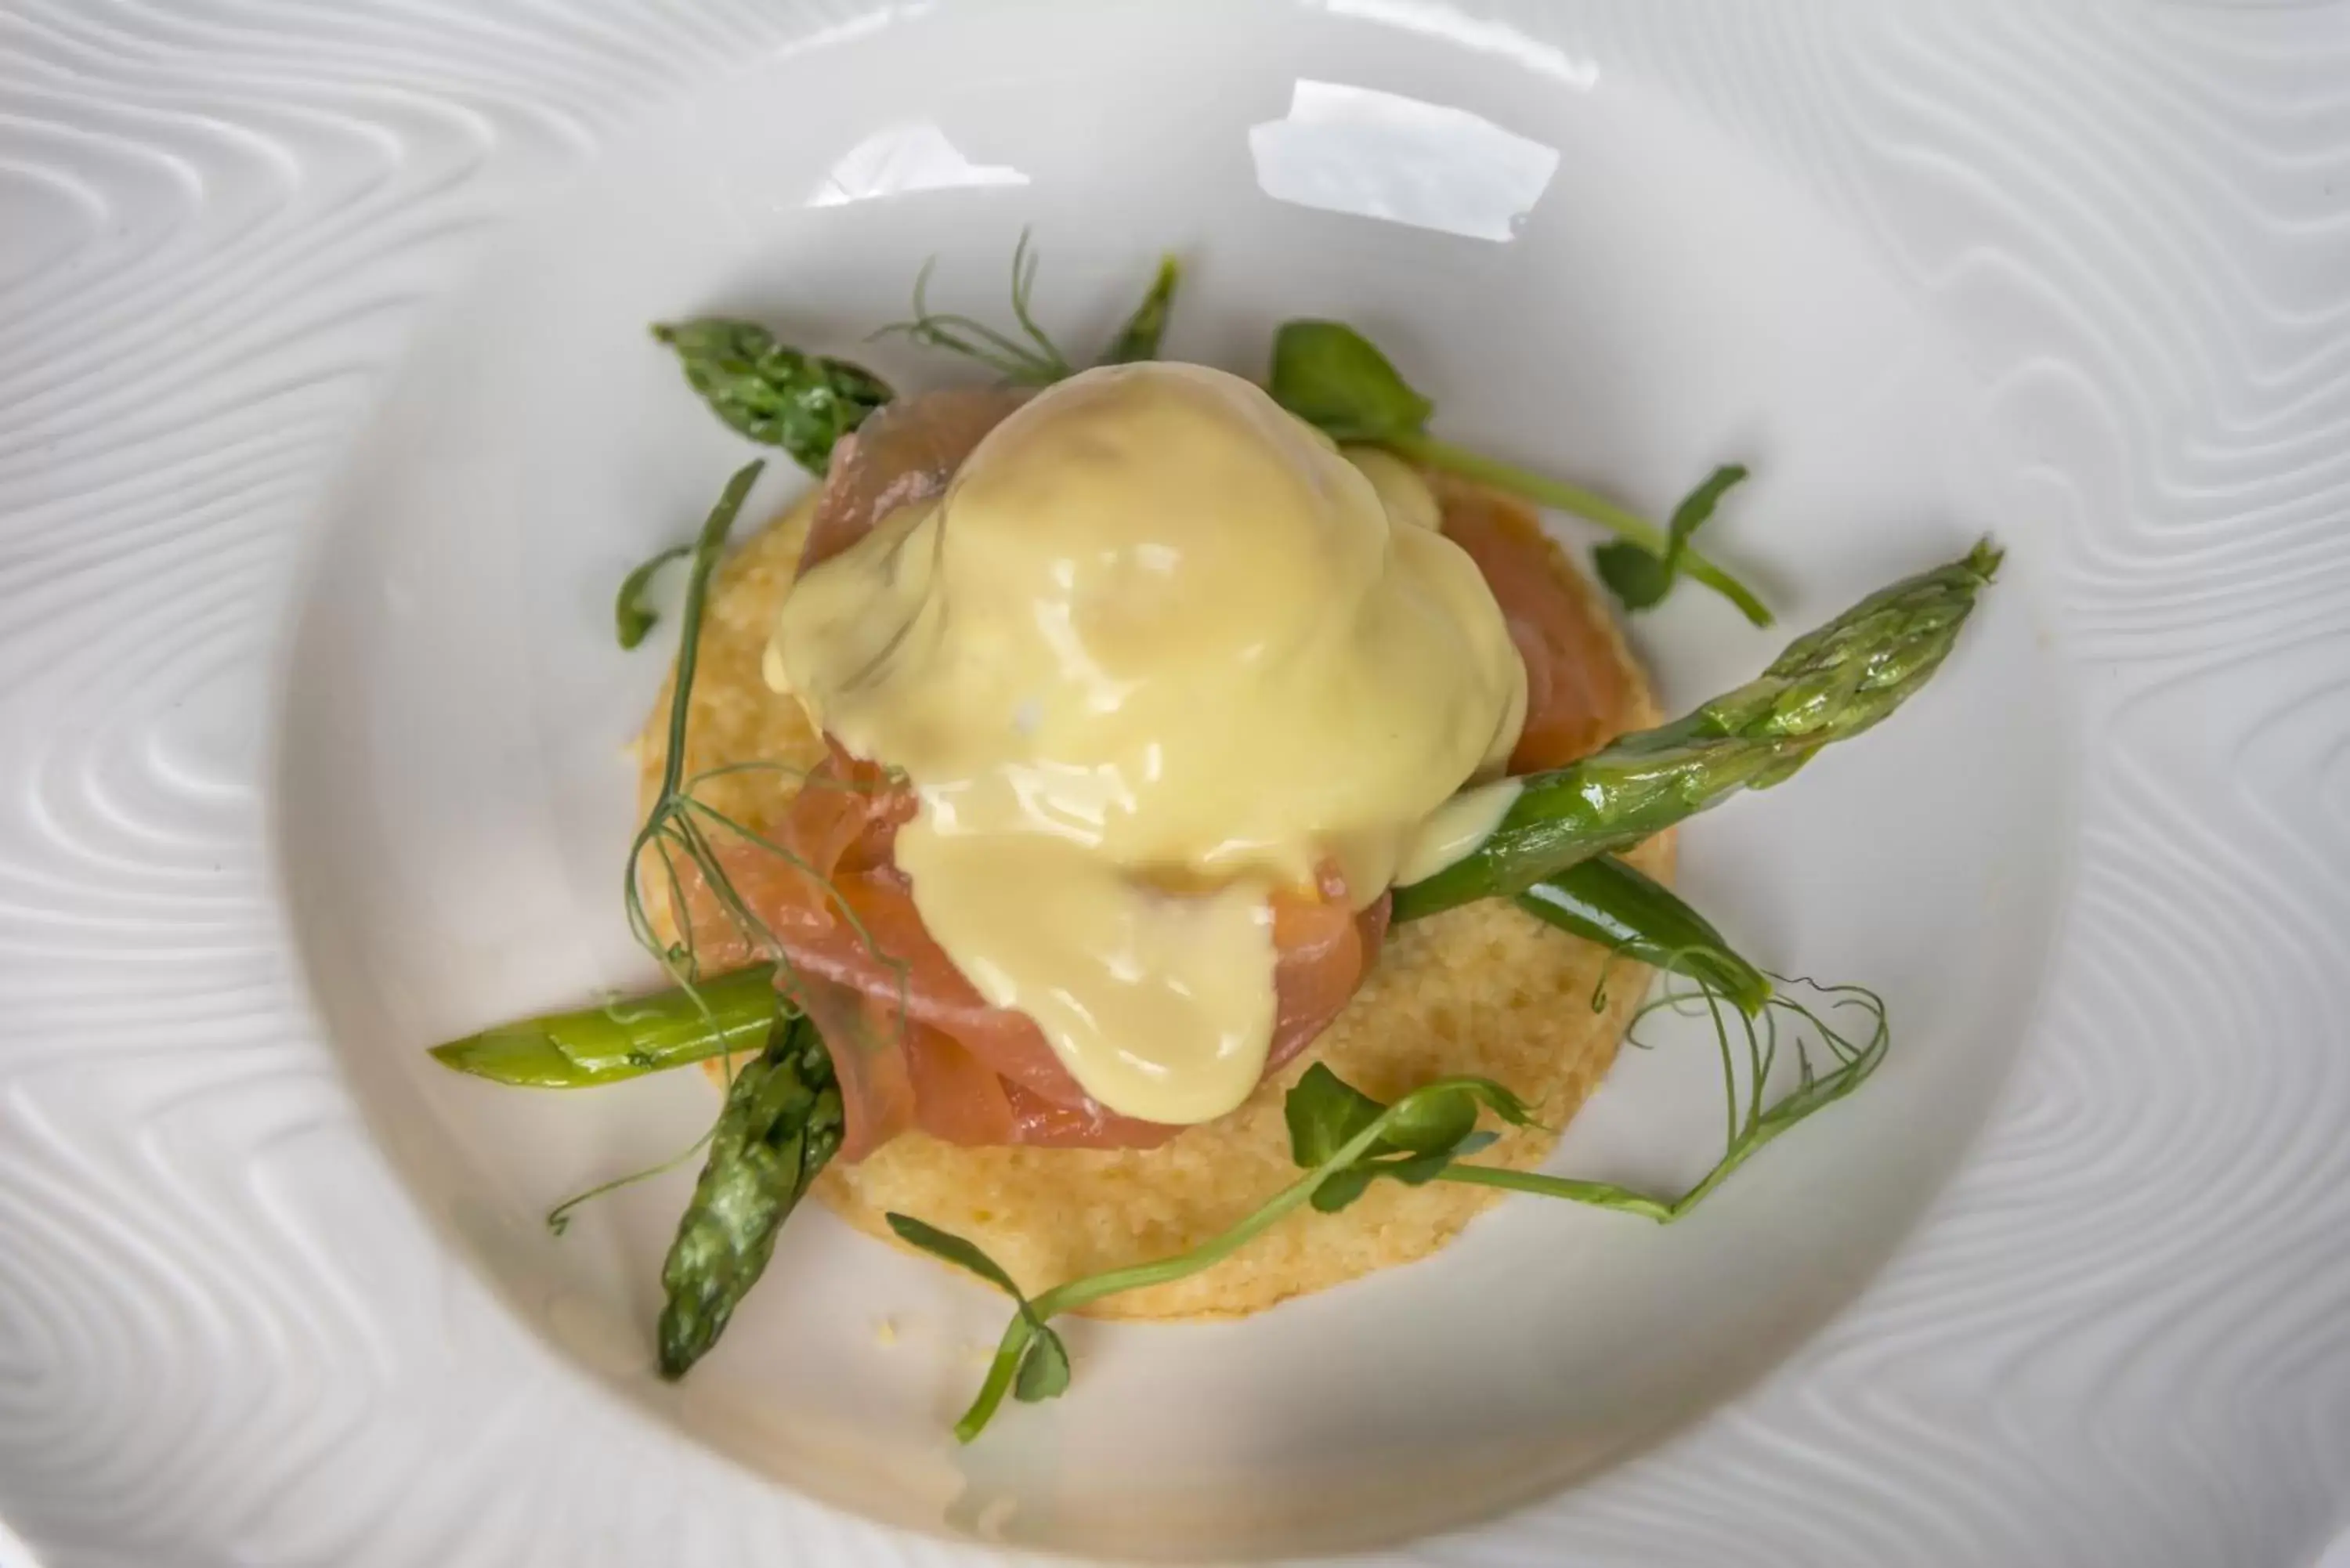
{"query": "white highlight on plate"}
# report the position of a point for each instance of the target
(1377, 154)
(13, 1553)
(1432, 19)
(899, 160)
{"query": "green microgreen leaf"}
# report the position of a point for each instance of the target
(1033, 1365)
(955, 1250)
(1335, 378)
(1635, 919)
(1341, 1188)
(1324, 1111)
(1418, 1137)
(1698, 505)
(631, 616)
(1432, 1126)
(1639, 577)
(1636, 578)
(1419, 1169)
(1044, 1370)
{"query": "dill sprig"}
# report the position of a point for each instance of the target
(1038, 362)
(669, 827)
(680, 823)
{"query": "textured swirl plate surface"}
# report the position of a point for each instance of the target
(229, 1331)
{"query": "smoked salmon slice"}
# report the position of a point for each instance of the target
(1578, 687)
(822, 899)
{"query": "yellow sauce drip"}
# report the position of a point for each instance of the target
(1159, 650)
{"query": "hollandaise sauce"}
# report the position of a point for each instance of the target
(1158, 653)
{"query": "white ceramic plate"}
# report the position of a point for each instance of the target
(334, 322)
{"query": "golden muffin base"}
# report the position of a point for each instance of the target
(1484, 989)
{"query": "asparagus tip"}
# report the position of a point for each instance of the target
(679, 1349)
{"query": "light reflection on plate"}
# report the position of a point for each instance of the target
(899, 160)
(1374, 154)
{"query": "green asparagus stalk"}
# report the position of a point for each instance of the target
(1828, 686)
(782, 1124)
(1605, 901)
(1140, 338)
(772, 392)
(623, 1040)
(1602, 899)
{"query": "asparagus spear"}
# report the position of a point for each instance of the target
(623, 1039)
(1828, 686)
(1601, 899)
(772, 392)
(782, 1124)
(1140, 338)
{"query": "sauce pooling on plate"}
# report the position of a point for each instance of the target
(1158, 655)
